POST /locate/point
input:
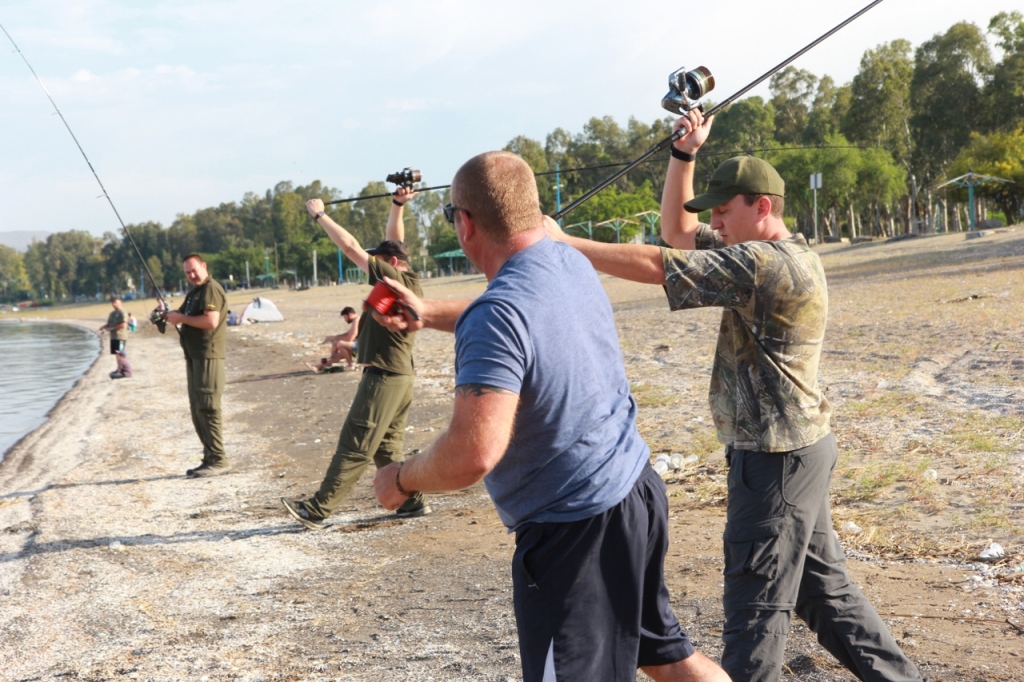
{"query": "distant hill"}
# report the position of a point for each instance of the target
(20, 239)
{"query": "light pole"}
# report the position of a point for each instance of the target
(652, 218)
(558, 194)
(815, 185)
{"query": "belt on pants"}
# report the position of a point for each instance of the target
(371, 369)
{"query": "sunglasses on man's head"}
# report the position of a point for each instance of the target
(449, 212)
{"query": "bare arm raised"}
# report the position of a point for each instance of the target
(678, 226)
(396, 227)
(344, 240)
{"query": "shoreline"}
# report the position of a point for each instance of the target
(20, 465)
(48, 415)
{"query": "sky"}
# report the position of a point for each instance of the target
(184, 105)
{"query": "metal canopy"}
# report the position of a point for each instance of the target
(971, 180)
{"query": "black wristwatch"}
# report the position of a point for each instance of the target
(319, 215)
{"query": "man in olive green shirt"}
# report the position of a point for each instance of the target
(202, 328)
(375, 426)
(781, 552)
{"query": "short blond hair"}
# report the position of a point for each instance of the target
(500, 193)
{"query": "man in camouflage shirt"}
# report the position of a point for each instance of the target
(781, 552)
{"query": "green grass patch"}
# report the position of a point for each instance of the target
(889, 404)
(647, 395)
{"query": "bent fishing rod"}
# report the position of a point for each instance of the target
(156, 289)
(685, 84)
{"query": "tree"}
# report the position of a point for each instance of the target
(792, 91)
(879, 110)
(1003, 96)
(1000, 155)
(13, 279)
(748, 124)
(613, 203)
(533, 153)
(830, 107)
(945, 95)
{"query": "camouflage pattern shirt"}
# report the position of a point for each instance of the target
(764, 391)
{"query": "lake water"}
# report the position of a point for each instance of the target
(41, 362)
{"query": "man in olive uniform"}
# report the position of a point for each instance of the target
(117, 326)
(781, 552)
(375, 426)
(202, 328)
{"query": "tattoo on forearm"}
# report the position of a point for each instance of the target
(478, 390)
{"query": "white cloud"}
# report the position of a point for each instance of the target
(182, 72)
(84, 76)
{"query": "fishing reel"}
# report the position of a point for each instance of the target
(685, 88)
(159, 316)
(407, 177)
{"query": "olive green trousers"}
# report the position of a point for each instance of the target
(205, 385)
(374, 429)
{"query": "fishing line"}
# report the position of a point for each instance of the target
(156, 288)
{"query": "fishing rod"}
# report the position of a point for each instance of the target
(381, 196)
(619, 164)
(161, 303)
(699, 80)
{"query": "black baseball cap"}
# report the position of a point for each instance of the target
(390, 248)
(738, 175)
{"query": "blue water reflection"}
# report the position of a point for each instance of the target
(39, 363)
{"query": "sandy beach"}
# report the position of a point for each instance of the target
(114, 565)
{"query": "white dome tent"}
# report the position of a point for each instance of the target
(260, 310)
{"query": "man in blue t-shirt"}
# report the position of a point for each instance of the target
(544, 416)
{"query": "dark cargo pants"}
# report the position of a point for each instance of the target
(374, 429)
(781, 556)
(205, 385)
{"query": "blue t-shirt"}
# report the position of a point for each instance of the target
(544, 330)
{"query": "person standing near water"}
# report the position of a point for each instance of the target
(204, 338)
(117, 326)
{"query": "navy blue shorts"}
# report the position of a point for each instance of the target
(590, 596)
(116, 345)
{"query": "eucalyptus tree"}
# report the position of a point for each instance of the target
(879, 108)
(1003, 96)
(830, 106)
(793, 92)
(945, 95)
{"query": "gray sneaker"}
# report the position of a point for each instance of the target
(297, 508)
(413, 507)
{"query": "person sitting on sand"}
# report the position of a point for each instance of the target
(124, 368)
(343, 346)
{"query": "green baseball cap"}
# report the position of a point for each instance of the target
(738, 175)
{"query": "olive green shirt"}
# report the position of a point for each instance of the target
(115, 319)
(391, 351)
(764, 391)
(206, 344)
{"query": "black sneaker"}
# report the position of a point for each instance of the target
(413, 507)
(205, 470)
(297, 508)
